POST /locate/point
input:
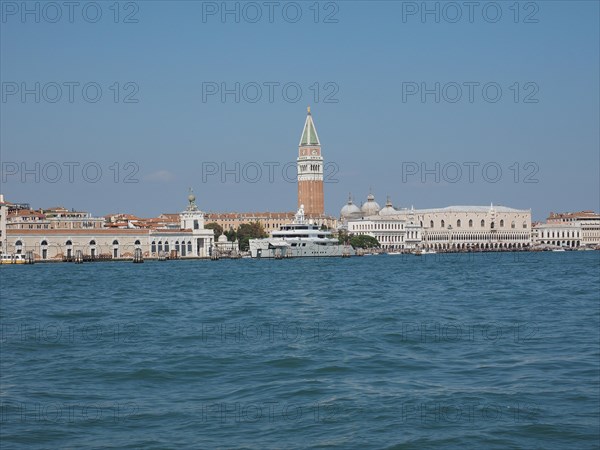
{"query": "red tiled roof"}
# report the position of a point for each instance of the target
(574, 215)
(26, 212)
(173, 217)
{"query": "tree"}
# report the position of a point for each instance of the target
(247, 231)
(216, 227)
(231, 235)
(343, 237)
(364, 241)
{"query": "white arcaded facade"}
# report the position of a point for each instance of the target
(450, 228)
(558, 234)
(191, 240)
(559, 227)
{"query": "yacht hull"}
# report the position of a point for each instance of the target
(268, 248)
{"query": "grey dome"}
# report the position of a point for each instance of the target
(350, 209)
(370, 207)
(388, 210)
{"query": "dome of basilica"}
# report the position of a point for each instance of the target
(370, 207)
(350, 209)
(388, 210)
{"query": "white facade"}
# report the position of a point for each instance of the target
(390, 232)
(588, 221)
(193, 241)
(452, 228)
(3, 212)
(475, 227)
(558, 234)
(590, 232)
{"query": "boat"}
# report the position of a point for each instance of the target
(299, 239)
(428, 252)
(16, 258)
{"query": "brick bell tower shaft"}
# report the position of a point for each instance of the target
(310, 170)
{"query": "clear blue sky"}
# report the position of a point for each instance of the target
(369, 133)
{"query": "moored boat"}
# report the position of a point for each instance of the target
(299, 239)
(16, 258)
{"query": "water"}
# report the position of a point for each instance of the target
(453, 351)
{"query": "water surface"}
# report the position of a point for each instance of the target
(454, 351)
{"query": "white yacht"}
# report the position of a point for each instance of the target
(299, 239)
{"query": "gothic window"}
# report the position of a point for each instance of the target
(482, 223)
(458, 223)
(470, 223)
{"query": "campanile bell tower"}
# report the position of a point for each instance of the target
(310, 170)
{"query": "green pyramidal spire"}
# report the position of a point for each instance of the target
(309, 134)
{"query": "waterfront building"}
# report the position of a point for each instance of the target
(477, 227)
(451, 229)
(3, 212)
(189, 240)
(589, 221)
(57, 218)
(558, 234)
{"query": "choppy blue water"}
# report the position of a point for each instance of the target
(453, 351)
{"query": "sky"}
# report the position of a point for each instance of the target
(121, 107)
